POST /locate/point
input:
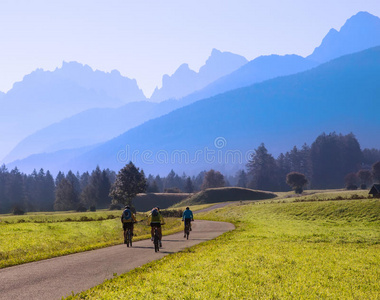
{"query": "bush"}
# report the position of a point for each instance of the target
(352, 187)
(92, 208)
(18, 211)
(173, 190)
(116, 206)
(173, 213)
(81, 208)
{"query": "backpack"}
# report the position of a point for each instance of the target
(154, 212)
(127, 215)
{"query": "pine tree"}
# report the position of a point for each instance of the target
(189, 187)
(66, 197)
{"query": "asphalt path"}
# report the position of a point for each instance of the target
(58, 277)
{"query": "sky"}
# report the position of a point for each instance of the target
(145, 39)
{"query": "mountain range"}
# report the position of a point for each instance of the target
(341, 94)
(45, 97)
(87, 130)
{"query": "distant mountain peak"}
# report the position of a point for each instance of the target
(185, 81)
(360, 32)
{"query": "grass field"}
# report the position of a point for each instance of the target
(297, 250)
(44, 235)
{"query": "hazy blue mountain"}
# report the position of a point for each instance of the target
(340, 96)
(185, 81)
(45, 97)
(88, 128)
(361, 31)
(257, 70)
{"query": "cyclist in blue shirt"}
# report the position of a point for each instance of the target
(187, 217)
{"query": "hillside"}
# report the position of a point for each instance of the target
(225, 194)
(145, 202)
(257, 70)
(88, 128)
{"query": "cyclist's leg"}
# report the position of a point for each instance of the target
(160, 232)
(151, 231)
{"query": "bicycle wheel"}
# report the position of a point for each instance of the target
(129, 238)
(156, 241)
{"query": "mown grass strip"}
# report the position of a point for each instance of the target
(278, 251)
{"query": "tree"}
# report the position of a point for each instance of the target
(189, 187)
(129, 182)
(365, 177)
(4, 199)
(296, 181)
(242, 179)
(376, 171)
(213, 179)
(65, 196)
(59, 177)
(16, 189)
(153, 188)
(333, 156)
(351, 181)
(263, 169)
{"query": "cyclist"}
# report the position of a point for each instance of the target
(187, 216)
(156, 220)
(127, 218)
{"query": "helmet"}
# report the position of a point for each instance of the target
(127, 207)
(187, 208)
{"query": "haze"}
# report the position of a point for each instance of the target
(147, 39)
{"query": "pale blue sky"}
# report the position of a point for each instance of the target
(145, 39)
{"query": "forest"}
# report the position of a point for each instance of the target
(332, 161)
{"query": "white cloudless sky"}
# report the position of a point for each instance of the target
(145, 39)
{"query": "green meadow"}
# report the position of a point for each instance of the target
(44, 235)
(315, 249)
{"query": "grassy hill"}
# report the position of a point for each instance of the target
(225, 194)
(145, 202)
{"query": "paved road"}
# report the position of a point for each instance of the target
(57, 277)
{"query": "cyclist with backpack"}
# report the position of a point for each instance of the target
(187, 217)
(156, 220)
(128, 219)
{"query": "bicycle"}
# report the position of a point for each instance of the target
(156, 240)
(128, 237)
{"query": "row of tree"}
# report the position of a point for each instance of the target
(329, 162)
(325, 164)
(39, 191)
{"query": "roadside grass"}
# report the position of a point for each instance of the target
(40, 237)
(67, 216)
(303, 250)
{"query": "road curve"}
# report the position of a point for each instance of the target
(58, 277)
